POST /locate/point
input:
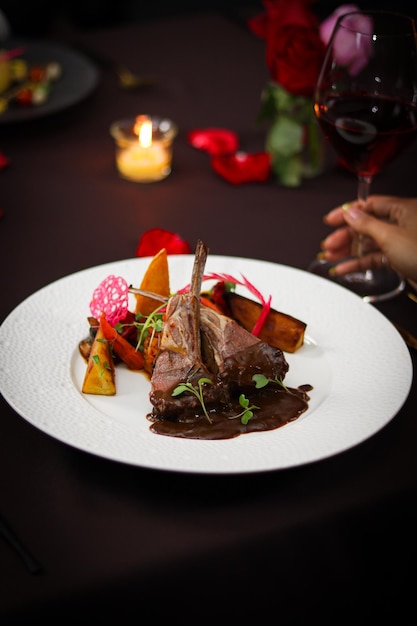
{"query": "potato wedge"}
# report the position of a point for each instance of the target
(99, 377)
(280, 329)
(156, 280)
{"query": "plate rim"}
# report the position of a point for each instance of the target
(51, 107)
(190, 467)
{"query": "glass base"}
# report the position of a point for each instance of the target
(373, 285)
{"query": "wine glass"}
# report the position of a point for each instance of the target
(366, 105)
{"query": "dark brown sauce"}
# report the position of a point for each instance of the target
(277, 408)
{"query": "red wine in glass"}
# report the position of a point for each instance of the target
(367, 131)
(366, 106)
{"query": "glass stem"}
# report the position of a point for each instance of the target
(364, 185)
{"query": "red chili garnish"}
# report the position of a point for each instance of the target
(242, 167)
(153, 240)
(215, 141)
(244, 282)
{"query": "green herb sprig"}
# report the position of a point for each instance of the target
(182, 387)
(247, 412)
(262, 381)
(103, 367)
(245, 415)
(153, 324)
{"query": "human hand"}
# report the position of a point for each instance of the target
(389, 227)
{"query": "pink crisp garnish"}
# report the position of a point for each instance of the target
(112, 298)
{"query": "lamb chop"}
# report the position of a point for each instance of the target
(197, 342)
(179, 358)
(236, 355)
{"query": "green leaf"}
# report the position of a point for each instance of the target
(243, 401)
(180, 389)
(260, 380)
(285, 136)
(288, 170)
(246, 417)
(204, 380)
(315, 147)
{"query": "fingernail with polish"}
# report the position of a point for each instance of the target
(353, 211)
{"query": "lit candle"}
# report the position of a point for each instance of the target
(144, 148)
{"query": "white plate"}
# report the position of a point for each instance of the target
(348, 350)
(79, 78)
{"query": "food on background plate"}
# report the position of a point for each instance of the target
(211, 378)
(24, 84)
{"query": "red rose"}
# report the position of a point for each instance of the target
(294, 55)
(279, 13)
(294, 49)
(154, 239)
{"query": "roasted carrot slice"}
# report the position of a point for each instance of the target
(209, 303)
(124, 350)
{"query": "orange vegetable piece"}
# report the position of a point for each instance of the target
(207, 302)
(156, 280)
(99, 377)
(124, 350)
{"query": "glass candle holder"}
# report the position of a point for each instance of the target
(144, 147)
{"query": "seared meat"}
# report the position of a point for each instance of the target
(238, 354)
(179, 358)
(197, 342)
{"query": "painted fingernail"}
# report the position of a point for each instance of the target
(320, 256)
(353, 211)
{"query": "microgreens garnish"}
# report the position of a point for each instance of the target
(245, 415)
(197, 392)
(247, 412)
(262, 381)
(152, 323)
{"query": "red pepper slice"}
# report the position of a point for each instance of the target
(124, 350)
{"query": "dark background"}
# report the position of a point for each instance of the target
(37, 18)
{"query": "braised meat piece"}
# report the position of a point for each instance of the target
(236, 354)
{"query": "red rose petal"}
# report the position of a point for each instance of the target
(4, 161)
(214, 140)
(242, 167)
(153, 240)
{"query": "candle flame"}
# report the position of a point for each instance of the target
(143, 128)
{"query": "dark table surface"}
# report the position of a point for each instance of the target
(328, 542)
